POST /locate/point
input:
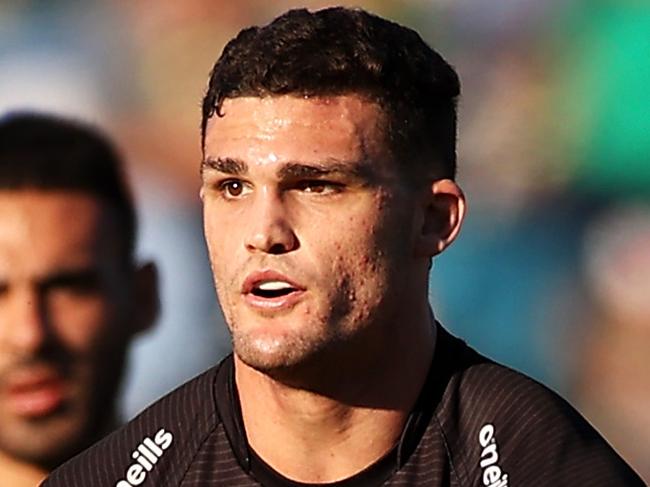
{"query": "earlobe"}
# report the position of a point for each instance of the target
(443, 211)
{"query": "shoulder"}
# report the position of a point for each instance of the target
(157, 445)
(501, 426)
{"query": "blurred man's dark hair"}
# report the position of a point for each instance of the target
(45, 152)
(339, 51)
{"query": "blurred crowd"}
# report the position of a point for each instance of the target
(551, 274)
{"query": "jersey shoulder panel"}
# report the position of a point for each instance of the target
(504, 428)
(157, 446)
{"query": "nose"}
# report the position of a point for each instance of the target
(23, 326)
(271, 231)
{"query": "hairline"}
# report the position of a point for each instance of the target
(125, 248)
(415, 174)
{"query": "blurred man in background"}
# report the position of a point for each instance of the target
(71, 294)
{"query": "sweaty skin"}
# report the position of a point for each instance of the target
(332, 233)
(302, 195)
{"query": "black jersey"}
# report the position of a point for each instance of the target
(476, 423)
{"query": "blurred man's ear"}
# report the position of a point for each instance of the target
(146, 297)
(443, 210)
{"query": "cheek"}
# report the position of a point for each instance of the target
(360, 237)
(373, 249)
(354, 255)
(221, 236)
(82, 323)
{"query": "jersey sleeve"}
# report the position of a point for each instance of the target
(512, 431)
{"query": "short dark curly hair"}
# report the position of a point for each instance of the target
(46, 152)
(339, 51)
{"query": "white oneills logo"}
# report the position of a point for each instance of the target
(146, 455)
(493, 476)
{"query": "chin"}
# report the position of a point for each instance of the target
(265, 357)
(46, 442)
(274, 355)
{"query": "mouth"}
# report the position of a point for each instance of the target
(35, 393)
(271, 290)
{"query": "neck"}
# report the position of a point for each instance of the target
(16, 473)
(330, 433)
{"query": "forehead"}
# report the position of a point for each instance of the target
(295, 128)
(43, 230)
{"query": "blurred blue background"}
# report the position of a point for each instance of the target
(551, 274)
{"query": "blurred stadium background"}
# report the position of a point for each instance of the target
(551, 274)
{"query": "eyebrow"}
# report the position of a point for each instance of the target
(297, 170)
(294, 170)
(226, 165)
(83, 278)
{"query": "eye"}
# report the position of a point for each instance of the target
(318, 186)
(82, 282)
(233, 188)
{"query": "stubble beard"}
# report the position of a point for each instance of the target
(348, 325)
(299, 349)
(279, 355)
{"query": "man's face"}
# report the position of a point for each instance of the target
(309, 226)
(63, 329)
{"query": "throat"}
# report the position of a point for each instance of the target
(323, 440)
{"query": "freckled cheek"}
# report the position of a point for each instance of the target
(356, 260)
(368, 261)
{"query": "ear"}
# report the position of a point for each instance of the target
(146, 297)
(443, 210)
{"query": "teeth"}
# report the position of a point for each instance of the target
(274, 286)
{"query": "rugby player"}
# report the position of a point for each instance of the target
(71, 294)
(328, 186)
